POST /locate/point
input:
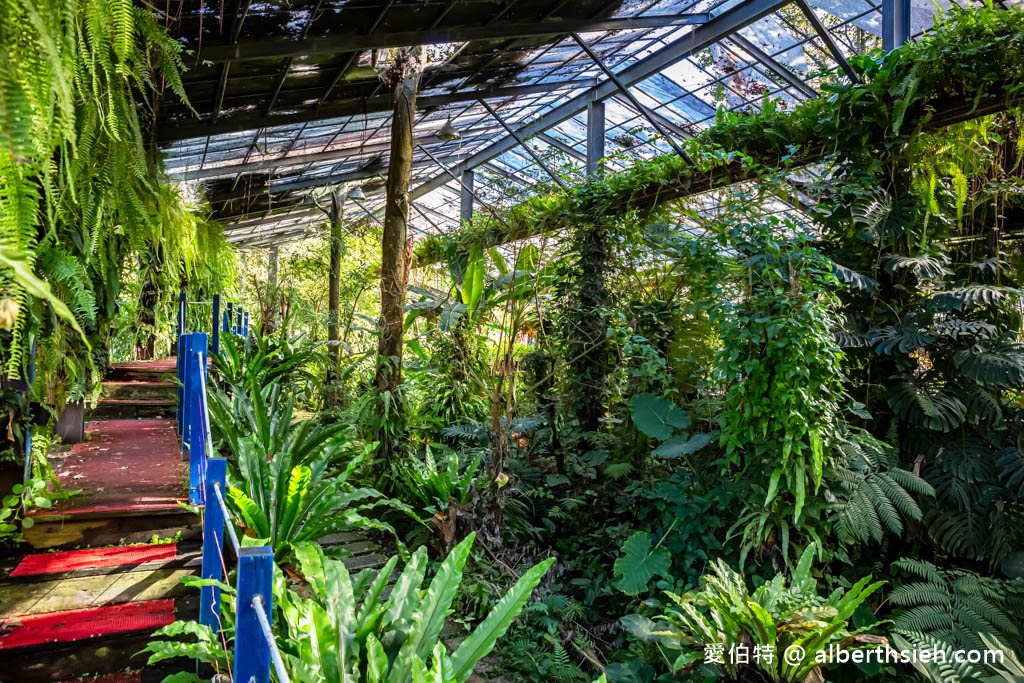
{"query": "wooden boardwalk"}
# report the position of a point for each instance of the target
(105, 567)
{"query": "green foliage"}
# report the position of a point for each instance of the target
(639, 563)
(434, 487)
(778, 614)
(22, 498)
(348, 629)
(780, 367)
(877, 496)
(263, 360)
(285, 502)
(956, 606)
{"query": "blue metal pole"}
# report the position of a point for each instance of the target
(183, 344)
(255, 577)
(245, 324)
(196, 419)
(238, 324)
(182, 303)
(213, 544)
(215, 328)
(229, 318)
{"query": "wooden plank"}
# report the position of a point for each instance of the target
(96, 656)
(74, 532)
(60, 595)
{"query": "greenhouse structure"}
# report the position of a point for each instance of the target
(500, 341)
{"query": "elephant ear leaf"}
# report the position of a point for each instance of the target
(480, 643)
(657, 417)
(639, 563)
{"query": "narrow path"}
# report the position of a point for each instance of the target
(86, 601)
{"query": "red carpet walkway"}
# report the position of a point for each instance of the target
(127, 466)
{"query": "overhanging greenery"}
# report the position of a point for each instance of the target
(970, 65)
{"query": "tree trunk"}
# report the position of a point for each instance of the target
(334, 279)
(335, 217)
(404, 77)
(269, 308)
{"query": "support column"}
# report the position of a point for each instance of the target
(466, 209)
(895, 23)
(595, 137)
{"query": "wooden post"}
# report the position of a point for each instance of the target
(404, 77)
(252, 652)
(213, 543)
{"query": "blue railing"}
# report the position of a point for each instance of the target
(255, 648)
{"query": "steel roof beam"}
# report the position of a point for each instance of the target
(170, 132)
(826, 37)
(342, 43)
(696, 40)
(773, 65)
(562, 146)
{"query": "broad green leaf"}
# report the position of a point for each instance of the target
(480, 643)
(657, 417)
(15, 260)
(638, 564)
(684, 445)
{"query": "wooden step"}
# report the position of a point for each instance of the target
(91, 611)
(134, 408)
(89, 642)
(165, 391)
(144, 371)
(95, 561)
(132, 481)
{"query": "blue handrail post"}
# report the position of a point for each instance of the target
(213, 542)
(238, 324)
(195, 417)
(182, 303)
(255, 577)
(228, 317)
(184, 341)
(245, 325)
(215, 328)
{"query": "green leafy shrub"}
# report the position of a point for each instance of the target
(348, 630)
(778, 615)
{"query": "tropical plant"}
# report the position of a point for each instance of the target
(432, 486)
(285, 502)
(348, 630)
(262, 360)
(778, 615)
(265, 415)
(955, 606)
